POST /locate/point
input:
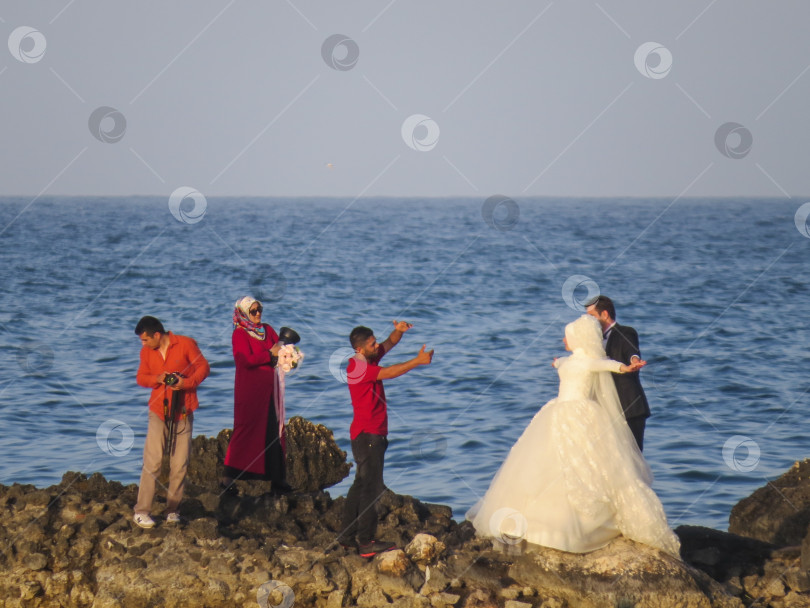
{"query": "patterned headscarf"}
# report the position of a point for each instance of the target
(241, 318)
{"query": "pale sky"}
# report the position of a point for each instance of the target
(405, 98)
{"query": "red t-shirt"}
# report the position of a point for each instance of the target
(368, 396)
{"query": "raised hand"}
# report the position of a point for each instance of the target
(402, 326)
(424, 357)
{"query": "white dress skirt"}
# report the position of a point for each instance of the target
(575, 479)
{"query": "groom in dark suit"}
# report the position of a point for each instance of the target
(621, 344)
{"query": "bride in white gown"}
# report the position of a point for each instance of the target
(576, 479)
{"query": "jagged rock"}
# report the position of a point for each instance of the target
(424, 548)
(722, 555)
(622, 573)
(393, 563)
(314, 460)
(75, 545)
(777, 513)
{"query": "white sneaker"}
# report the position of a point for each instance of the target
(173, 518)
(144, 521)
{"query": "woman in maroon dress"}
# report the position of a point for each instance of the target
(257, 446)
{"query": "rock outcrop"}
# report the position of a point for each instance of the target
(75, 544)
(777, 513)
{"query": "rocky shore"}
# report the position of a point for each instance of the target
(75, 544)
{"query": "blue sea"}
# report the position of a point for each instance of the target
(717, 288)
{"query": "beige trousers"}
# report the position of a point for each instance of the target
(156, 436)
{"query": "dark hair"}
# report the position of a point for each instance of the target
(360, 336)
(602, 303)
(149, 325)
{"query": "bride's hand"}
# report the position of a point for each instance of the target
(636, 365)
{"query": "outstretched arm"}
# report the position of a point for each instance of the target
(617, 367)
(392, 371)
(400, 327)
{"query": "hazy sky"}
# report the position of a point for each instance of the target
(404, 97)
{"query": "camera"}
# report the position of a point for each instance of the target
(171, 379)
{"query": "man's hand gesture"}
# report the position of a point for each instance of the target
(402, 326)
(424, 357)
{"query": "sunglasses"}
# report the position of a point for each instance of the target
(256, 311)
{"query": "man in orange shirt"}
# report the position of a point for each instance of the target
(169, 363)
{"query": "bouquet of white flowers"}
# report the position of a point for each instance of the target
(288, 357)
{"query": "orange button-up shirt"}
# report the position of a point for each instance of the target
(184, 357)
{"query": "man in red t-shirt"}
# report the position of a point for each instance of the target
(369, 432)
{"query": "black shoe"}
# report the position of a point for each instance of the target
(374, 547)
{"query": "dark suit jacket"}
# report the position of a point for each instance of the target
(622, 344)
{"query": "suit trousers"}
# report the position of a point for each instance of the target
(156, 436)
(637, 425)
